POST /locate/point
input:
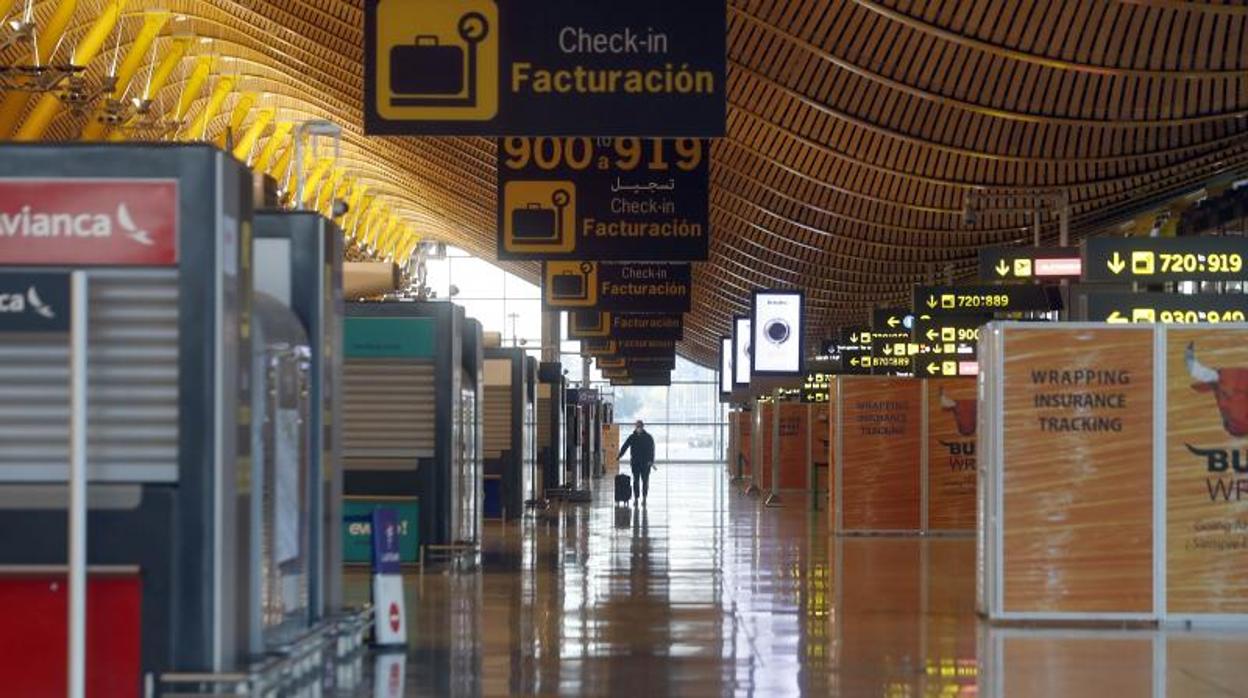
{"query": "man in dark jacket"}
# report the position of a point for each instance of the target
(642, 445)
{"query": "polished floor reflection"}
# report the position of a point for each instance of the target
(705, 592)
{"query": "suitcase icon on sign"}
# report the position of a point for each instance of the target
(537, 223)
(572, 285)
(428, 73)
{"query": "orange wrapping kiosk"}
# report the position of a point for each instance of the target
(1114, 478)
(902, 454)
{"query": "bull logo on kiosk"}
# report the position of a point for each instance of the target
(965, 413)
(1230, 389)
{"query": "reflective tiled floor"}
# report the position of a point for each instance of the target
(704, 592)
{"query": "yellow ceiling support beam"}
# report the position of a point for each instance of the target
(314, 179)
(5, 6)
(234, 126)
(375, 218)
(46, 108)
(358, 190)
(391, 236)
(326, 198)
(281, 134)
(194, 84)
(353, 227)
(198, 130)
(171, 59)
(15, 102)
(247, 143)
(153, 22)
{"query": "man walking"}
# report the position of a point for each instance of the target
(642, 445)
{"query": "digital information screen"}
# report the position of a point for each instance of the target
(1169, 308)
(725, 365)
(741, 351)
(1158, 260)
(1006, 263)
(961, 300)
(777, 333)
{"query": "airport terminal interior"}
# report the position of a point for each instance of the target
(862, 348)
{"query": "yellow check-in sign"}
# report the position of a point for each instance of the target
(437, 60)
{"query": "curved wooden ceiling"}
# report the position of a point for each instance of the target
(856, 129)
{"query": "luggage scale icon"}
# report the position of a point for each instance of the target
(572, 283)
(540, 216)
(437, 60)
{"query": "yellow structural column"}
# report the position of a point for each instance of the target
(41, 117)
(15, 102)
(264, 117)
(153, 22)
(242, 108)
(353, 228)
(171, 59)
(194, 84)
(326, 197)
(198, 130)
(314, 179)
(281, 133)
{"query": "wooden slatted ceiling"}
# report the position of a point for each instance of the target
(855, 130)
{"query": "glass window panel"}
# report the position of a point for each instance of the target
(488, 312)
(647, 403)
(692, 442)
(527, 323)
(693, 402)
(518, 288)
(688, 371)
(476, 278)
(439, 277)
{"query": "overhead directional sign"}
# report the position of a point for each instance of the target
(544, 67)
(892, 353)
(603, 199)
(961, 300)
(634, 287)
(34, 302)
(949, 335)
(1158, 260)
(855, 348)
(1049, 263)
(629, 347)
(1171, 308)
(933, 366)
(644, 363)
(815, 387)
(600, 325)
(894, 319)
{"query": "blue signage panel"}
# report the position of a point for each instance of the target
(386, 539)
(34, 302)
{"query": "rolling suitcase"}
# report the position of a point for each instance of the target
(623, 489)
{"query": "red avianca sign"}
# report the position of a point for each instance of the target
(89, 222)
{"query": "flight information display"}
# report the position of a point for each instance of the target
(1160, 260)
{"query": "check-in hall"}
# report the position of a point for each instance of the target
(387, 348)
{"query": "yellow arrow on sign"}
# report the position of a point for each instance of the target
(888, 350)
(931, 301)
(1116, 263)
(1003, 269)
(893, 321)
(932, 368)
(931, 335)
(1116, 317)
